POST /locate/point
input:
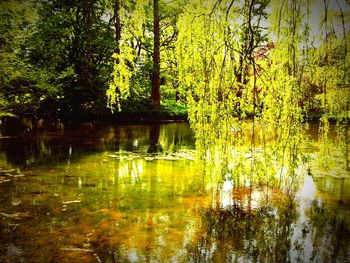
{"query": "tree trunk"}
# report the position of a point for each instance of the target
(117, 25)
(154, 145)
(155, 95)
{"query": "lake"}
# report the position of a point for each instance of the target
(102, 192)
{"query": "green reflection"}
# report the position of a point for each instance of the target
(126, 193)
(330, 228)
(240, 234)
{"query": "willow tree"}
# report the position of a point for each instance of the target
(331, 75)
(216, 46)
(282, 87)
(146, 31)
(232, 71)
(129, 20)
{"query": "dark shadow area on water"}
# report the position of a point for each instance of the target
(30, 142)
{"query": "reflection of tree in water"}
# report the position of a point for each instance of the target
(154, 145)
(106, 254)
(273, 233)
(39, 142)
(331, 233)
(28, 143)
(262, 235)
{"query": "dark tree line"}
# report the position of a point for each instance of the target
(57, 55)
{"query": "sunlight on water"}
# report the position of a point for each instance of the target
(308, 189)
(126, 194)
(227, 192)
(307, 193)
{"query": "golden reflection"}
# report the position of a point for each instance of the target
(132, 169)
(122, 203)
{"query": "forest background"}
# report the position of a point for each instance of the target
(83, 57)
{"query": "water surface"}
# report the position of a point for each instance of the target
(97, 192)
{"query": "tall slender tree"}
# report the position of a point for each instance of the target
(155, 95)
(149, 30)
